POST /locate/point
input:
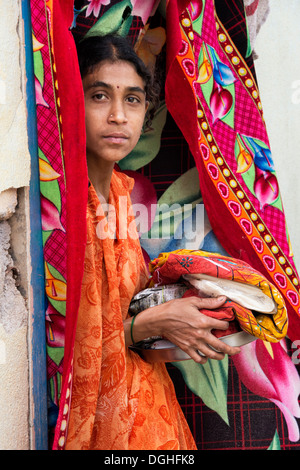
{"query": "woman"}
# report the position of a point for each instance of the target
(118, 400)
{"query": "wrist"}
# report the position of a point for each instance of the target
(145, 324)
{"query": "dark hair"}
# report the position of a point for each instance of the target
(95, 49)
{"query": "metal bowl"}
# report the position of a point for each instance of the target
(162, 350)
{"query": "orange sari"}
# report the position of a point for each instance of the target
(118, 400)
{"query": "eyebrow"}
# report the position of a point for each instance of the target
(100, 84)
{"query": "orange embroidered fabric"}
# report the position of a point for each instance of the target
(118, 400)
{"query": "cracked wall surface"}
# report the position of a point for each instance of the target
(13, 313)
(14, 394)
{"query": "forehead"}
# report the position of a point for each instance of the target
(119, 74)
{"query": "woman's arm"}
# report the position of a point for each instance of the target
(181, 322)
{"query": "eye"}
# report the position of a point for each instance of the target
(99, 96)
(133, 99)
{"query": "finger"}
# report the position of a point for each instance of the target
(213, 323)
(194, 354)
(198, 356)
(209, 303)
(211, 353)
(219, 346)
(232, 351)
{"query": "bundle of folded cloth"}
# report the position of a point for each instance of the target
(253, 304)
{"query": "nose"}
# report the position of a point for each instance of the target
(117, 113)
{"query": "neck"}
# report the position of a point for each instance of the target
(99, 173)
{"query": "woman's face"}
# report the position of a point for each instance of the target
(115, 107)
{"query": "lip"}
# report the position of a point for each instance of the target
(116, 137)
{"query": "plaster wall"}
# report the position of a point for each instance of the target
(278, 73)
(14, 155)
(14, 265)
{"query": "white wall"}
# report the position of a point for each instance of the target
(14, 174)
(278, 73)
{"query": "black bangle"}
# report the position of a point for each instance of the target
(131, 328)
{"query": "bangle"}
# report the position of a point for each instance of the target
(131, 328)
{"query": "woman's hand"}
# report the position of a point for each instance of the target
(181, 322)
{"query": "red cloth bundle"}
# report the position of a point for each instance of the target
(262, 313)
